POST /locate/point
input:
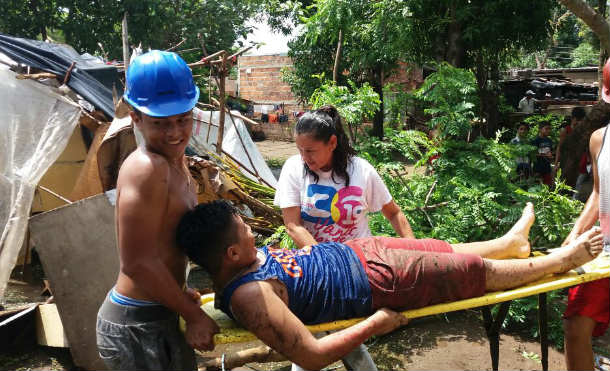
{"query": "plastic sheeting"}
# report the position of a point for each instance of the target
(35, 126)
(57, 59)
(236, 142)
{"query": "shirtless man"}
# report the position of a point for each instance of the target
(137, 325)
(274, 292)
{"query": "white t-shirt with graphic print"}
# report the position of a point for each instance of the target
(331, 211)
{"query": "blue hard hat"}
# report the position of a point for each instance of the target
(160, 84)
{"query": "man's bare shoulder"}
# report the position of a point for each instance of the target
(251, 291)
(596, 140)
(252, 298)
(142, 167)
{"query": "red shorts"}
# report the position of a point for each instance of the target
(591, 300)
(407, 273)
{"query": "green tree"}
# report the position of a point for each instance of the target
(157, 24)
(29, 18)
(474, 34)
(370, 42)
(478, 35)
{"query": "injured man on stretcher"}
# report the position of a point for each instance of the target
(274, 292)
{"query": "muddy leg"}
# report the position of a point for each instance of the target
(513, 244)
(506, 274)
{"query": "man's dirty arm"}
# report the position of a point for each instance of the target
(258, 307)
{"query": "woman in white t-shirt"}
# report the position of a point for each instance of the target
(326, 192)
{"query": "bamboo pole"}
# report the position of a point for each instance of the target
(221, 118)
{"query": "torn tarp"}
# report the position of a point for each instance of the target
(56, 59)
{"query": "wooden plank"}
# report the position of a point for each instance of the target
(76, 245)
(49, 329)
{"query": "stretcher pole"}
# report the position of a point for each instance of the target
(492, 328)
(543, 330)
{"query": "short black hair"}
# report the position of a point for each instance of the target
(206, 232)
(523, 123)
(578, 113)
(543, 124)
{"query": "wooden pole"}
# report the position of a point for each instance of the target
(125, 44)
(221, 119)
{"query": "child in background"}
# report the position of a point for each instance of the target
(544, 155)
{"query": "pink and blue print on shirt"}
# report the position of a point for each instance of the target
(337, 211)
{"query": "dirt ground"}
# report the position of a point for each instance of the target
(273, 149)
(455, 341)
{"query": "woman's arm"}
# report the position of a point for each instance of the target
(398, 220)
(295, 229)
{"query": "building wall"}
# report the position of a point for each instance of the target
(260, 80)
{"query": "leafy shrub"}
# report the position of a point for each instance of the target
(353, 103)
(450, 94)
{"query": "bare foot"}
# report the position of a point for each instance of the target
(519, 234)
(584, 249)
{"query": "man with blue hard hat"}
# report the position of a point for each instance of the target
(137, 325)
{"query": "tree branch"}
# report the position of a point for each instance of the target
(593, 19)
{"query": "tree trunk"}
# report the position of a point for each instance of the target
(378, 87)
(487, 74)
(455, 48)
(603, 53)
(596, 21)
(338, 57)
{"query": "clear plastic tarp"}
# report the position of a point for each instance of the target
(236, 142)
(35, 126)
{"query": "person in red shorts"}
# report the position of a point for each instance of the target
(587, 314)
(274, 292)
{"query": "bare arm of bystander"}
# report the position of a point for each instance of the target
(398, 219)
(295, 229)
(590, 212)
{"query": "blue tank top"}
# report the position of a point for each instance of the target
(325, 282)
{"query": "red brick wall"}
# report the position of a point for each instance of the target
(263, 84)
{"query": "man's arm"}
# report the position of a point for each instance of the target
(590, 212)
(295, 229)
(141, 207)
(398, 219)
(260, 310)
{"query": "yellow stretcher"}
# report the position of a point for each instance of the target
(231, 332)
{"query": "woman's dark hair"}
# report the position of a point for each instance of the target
(322, 124)
(205, 232)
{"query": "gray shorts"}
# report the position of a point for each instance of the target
(141, 338)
